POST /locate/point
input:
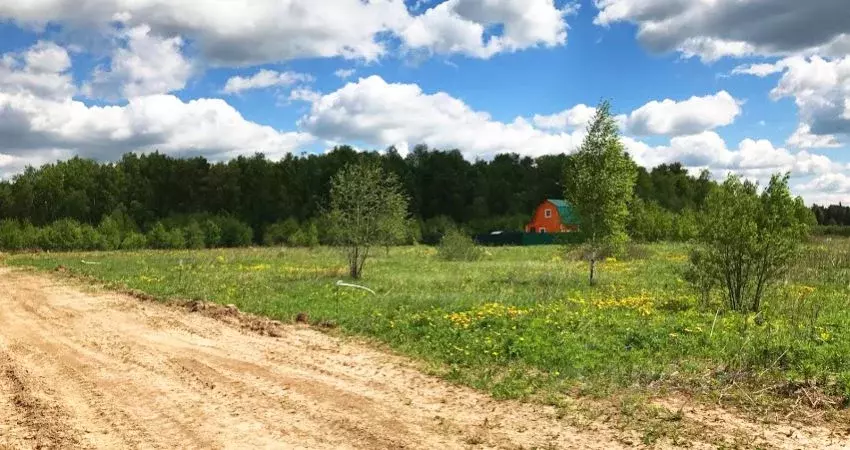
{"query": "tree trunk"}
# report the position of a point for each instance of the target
(592, 271)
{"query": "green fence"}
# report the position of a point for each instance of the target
(519, 238)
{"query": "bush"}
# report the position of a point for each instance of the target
(435, 228)
(831, 230)
(111, 233)
(134, 241)
(212, 233)
(62, 235)
(413, 233)
(280, 233)
(235, 233)
(11, 235)
(194, 235)
(748, 240)
(90, 239)
(161, 238)
(458, 246)
(306, 236)
(649, 222)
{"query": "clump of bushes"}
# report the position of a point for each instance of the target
(289, 232)
(117, 231)
(458, 246)
(748, 240)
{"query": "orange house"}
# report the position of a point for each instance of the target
(553, 216)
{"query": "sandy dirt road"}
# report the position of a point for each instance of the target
(83, 370)
(101, 370)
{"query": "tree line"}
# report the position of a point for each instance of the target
(282, 201)
(443, 187)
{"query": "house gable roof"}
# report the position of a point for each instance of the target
(565, 211)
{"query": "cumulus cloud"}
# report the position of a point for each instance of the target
(383, 114)
(40, 121)
(344, 73)
(142, 64)
(821, 90)
(265, 79)
(43, 70)
(691, 116)
(752, 158)
(576, 117)
(461, 26)
(759, 70)
(803, 138)
(713, 29)
(825, 189)
(244, 33)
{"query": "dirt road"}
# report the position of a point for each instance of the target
(83, 370)
(108, 371)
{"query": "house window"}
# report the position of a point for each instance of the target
(547, 214)
(542, 229)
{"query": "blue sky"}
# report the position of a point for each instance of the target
(752, 87)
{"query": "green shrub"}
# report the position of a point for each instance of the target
(212, 233)
(111, 233)
(90, 239)
(161, 238)
(831, 230)
(749, 239)
(280, 233)
(62, 235)
(306, 236)
(11, 235)
(235, 233)
(433, 229)
(134, 241)
(458, 246)
(194, 235)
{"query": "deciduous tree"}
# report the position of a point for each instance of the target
(367, 209)
(599, 182)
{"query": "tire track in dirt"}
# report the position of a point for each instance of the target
(39, 420)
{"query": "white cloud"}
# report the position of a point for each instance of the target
(236, 33)
(694, 115)
(712, 29)
(576, 117)
(826, 189)
(836, 183)
(757, 159)
(820, 88)
(383, 114)
(345, 73)
(142, 64)
(42, 70)
(759, 70)
(460, 26)
(244, 33)
(265, 79)
(803, 138)
(304, 95)
(158, 122)
(40, 121)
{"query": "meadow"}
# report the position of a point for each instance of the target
(523, 322)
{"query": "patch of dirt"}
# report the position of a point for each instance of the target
(84, 370)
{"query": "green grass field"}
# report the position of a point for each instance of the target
(524, 323)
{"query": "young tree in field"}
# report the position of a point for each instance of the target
(599, 182)
(367, 209)
(748, 240)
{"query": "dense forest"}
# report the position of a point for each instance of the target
(142, 191)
